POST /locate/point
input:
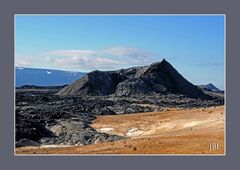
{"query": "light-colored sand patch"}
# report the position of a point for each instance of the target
(195, 123)
(106, 129)
(134, 132)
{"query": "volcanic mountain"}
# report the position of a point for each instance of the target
(157, 78)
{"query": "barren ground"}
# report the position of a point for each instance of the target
(173, 131)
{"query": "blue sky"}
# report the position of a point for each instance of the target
(194, 45)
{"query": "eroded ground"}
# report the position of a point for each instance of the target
(172, 131)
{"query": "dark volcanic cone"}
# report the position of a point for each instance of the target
(157, 78)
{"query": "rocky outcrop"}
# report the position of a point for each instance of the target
(157, 78)
(70, 132)
(26, 142)
(94, 83)
(133, 86)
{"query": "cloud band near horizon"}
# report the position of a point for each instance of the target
(89, 60)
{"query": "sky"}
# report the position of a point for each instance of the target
(193, 44)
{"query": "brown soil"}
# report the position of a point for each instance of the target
(173, 131)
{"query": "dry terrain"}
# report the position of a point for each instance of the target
(172, 131)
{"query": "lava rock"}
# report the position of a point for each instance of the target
(26, 142)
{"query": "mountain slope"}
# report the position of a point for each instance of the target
(94, 83)
(157, 78)
(45, 77)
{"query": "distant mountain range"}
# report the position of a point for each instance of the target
(45, 77)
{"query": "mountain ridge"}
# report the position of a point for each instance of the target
(45, 77)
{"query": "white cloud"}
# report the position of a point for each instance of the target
(72, 53)
(134, 56)
(84, 63)
(89, 60)
(127, 52)
(119, 51)
(23, 61)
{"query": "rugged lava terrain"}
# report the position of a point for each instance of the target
(66, 116)
(172, 131)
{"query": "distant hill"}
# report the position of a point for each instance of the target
(157, 78)
(210, 87)
(212, 90)
(45, 77)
